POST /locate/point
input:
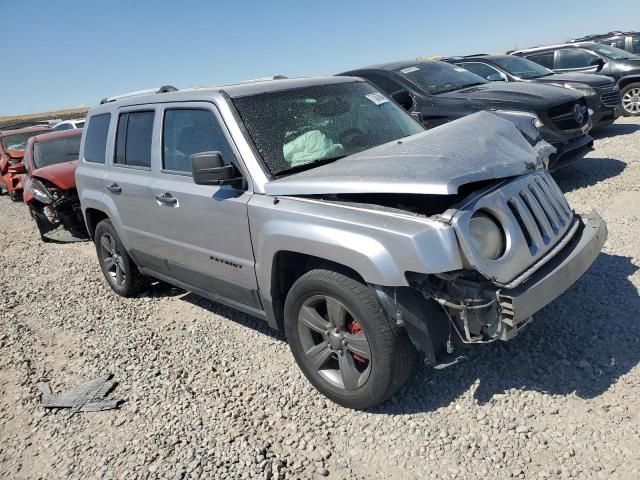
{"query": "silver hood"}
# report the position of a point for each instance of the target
(478, 147)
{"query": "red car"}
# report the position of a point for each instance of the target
(50, 191)
(12, 146)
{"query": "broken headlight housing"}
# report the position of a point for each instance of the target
(40, 192)
(487, 236)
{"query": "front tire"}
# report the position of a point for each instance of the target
(118, 269)
(631, 100)
(343, 342)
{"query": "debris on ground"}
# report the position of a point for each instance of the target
(86, 397)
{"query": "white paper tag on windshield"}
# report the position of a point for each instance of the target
(410, 69)
(377, 98)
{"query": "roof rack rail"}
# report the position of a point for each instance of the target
(163, 89)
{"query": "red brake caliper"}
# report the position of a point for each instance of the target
(356, 329)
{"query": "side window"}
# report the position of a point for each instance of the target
(133, 139)
(189, 131)
(480, 69)
(574, 58)
(635, 44)
(383, 83)
(544, 59)
(64, 126)
(95, 143)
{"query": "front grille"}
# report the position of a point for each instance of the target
(610, 96)
(541, 211)
(564, 115)
(536, 219)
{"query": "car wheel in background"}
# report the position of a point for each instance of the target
(631, 100)
(343, 342)
(121, 273)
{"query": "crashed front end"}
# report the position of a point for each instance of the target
(57, 212)
(522, 246)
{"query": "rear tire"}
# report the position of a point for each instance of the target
(343, 342)
(118, 269)
(631, 100)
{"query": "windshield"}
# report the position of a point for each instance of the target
(304, 127)
(56, 151)
(521, 67)
(439, 77)
(17, 142)
(612, 53)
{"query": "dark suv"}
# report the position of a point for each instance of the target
(438, 92)
(629, 41)
(602, 93)
(592, 57)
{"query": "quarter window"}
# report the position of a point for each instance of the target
(544, 59)
(133, 139)
(95, 143)
(574, 58)
(189, 131)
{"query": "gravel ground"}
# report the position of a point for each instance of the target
(212, 393)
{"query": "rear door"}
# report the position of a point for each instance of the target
(127, 183)
(205, 229)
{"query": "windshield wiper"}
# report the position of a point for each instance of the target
(307, 166)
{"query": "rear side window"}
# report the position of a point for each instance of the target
(574, 58)
(95, 143)
(635, 44)
(544, 59)
(133, 139)
(189, 131)
(383, 83)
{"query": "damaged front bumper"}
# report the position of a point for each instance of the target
(517, 305)
(60, 221)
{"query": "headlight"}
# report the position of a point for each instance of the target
(487, 236)
(40, 192)
(586, 90)
(517, 116)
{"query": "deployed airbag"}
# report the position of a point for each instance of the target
(310, 146)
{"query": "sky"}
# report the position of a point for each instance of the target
(70, 53)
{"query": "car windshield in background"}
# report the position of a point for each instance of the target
(612, 53)
(56, 151)
(17, 142)
(440, 77)
(305, 127)
(521, 67)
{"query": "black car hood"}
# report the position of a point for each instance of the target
(478, 147)
(517, 95)
(586, 78)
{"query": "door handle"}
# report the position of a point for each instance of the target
(114, 188)
(167, 199)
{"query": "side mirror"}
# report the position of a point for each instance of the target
(207, 168)
(495, 77)
(17, 169)
(403, 98)
(597, 62)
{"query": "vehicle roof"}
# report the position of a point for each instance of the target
(391, 65)
(467, 58)
(70, 120)
(553, 47)
(603, 35)
(17, 131)
(234, 91)
(58, 134)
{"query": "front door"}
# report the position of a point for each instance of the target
(205, 229)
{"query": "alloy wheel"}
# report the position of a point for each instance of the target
(334, 343)
(631, 101)
(112, 260)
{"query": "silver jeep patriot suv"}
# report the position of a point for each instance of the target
(322, 207)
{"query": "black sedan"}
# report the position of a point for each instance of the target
(602, 93)
(438, 92)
